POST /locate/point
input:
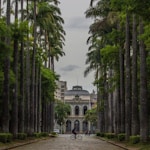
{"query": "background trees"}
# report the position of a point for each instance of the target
(29, 44)
(119, 28)
(62, 111)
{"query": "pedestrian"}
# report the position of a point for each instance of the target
(74, 132)
(89, 132)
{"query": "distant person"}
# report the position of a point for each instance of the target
(86, 132)
(89, 132)
(74, 132)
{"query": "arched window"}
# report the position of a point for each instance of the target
(85, 126)
(84, 110)
(77, 110)
(77, 125)
(68, 126)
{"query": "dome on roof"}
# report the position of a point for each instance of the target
(76, 90)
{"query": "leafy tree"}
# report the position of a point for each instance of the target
(61, 112)
(91, 115)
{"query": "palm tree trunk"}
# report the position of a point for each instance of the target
(0, 8)
(39, 105)
(122, 85)
(105, 101)
(36, 98)
(33, 75)
(21, 103)
(5, 102)
(14, 118)
(128, 82)
(144, 118)
(135, 112)
(27, 102)
(52, 103)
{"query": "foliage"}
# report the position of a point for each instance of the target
(21, 136)
(4, 29)
(109, 54)
(121, 136)
(19, 30)
(48, 83)
(61, 112)
(53, 134)
(100, 134)
(91, 115)
(110, 135)
(6, 137)
(134, 139)
(146, 36)
(37, 135)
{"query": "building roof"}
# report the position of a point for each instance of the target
(76, 90)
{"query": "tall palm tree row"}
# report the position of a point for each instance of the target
(36, 38)
(118, 36)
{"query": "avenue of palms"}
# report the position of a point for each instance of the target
(32, 37)
(118, 53)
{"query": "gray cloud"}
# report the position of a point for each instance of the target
(70, 68)
(77, 23)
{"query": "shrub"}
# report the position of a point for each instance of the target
(110, 135)
(6, 137)
(21, 136)
(37, 135)
(100, 134)
(44, 134)
(121, 136)
(134, 139)
(53, 134)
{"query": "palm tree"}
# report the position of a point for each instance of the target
(27, 77)
(135, 112)
(0, 7)
(121, 83)
(22, 77)
(127, 81)
(14, 116)
(6, 100)
(33, 73)
(144, 118)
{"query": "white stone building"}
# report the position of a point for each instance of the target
(80, 101)
(61, 89)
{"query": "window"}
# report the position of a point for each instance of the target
(77, 110)
(84, 110)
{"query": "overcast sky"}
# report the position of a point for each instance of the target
(71, 66)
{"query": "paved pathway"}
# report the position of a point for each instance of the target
(63, 142)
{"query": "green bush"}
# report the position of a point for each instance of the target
(44, 134)
(134, 139)
(53, 133)
(102, 134)
(98, 134)
(6, 137)
(121, 136)
(21, 136)
(37, 135)
(40, 134)
(110, 135)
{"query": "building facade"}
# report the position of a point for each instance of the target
(80, 102)
(61, 89)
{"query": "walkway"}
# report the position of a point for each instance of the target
(63, 142)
